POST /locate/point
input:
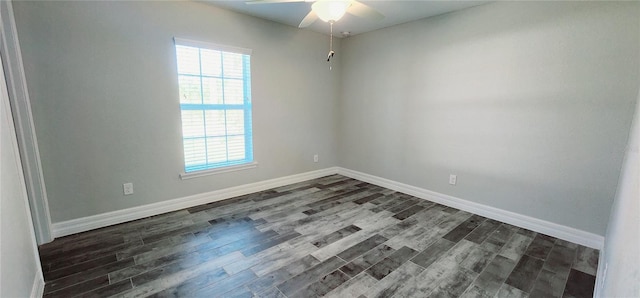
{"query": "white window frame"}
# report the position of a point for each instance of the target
(249, 161)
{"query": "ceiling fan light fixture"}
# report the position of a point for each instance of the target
(330, 10)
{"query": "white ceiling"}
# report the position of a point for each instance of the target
(396, 12)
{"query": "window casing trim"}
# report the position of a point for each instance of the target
(229, 166)
(208, 172)
(212, 46)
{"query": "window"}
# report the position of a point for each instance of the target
(215, 102)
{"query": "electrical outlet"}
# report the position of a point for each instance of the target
(127, 188)
(453, 179)
(315, 158)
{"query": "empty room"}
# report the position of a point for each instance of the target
(327, 148)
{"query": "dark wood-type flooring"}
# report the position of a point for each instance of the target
(333, 236)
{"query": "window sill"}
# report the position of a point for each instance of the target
(203, 173)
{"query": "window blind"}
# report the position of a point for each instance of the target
(214, 85)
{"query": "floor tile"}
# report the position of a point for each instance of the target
(333, 236)
(390, 263)
(586, 260)
(309, 276)
(525, 273)
(579, 284)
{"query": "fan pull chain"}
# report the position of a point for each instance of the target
(331, 52)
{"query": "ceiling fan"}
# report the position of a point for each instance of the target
(330, 10)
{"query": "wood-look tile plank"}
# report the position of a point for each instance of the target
(270, 293)
(163, 271)
(406, 213)
(548, 284)
(170, 250)
(369, 229)
(390, 284)
(323, 286)
(241, 292)
(392, 201)
(100, 271)
(218, 204)
(483, 231)
(540, 246)
(74, 289)
(368, 198)
(335, 198)
(450, 210)
(171, 241)
(361, 248)
(488, 283)
(153, 286)
(525, 273)
(269, 243)
(297, 186)
(455, 283)
(478, 259)
(579, 285)
(278, 276)
(423, 284)
(382, 200)
(586, 260)
(271, 259)
(391, 263)
(226, 285)
(74, 258)
(108, 290)
(251, 208)
(289, 203)
(55, 274)
(247, 236)
(178, 231)
(432, 253)
(128, 272)
(433, 224)
(290, 222)
(386, 238)
(496, 241)
(257, 242)
(516, 247)
(309, 276)
(353, 287)
(335, 236)
(404, 206)
(463, 229)
(560, 260)
(398, 228)
(507, 291)
(367, 260)
(330, 179)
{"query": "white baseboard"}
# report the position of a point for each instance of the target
(523, 221)
(84, 224)
(541, 226)
(37, 290)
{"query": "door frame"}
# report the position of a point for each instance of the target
(23, 121)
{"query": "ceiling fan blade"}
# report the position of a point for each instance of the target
(364, 11)
(308, 20)
(272, 1)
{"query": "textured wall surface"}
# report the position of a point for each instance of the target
(529, 103)
(103, 85)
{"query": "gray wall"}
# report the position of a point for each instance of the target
(620, 266)
(103, 86)
(529, 103)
